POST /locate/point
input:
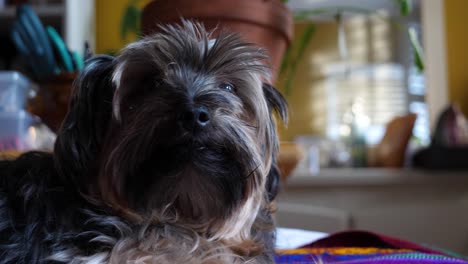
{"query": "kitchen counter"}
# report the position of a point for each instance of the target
(423, 206)
(373, 176)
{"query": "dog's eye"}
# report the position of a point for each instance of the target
(228, 87)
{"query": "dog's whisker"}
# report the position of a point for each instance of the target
(253, 171)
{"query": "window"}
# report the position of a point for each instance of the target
(376, 82)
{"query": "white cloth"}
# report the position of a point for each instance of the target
(289, 238)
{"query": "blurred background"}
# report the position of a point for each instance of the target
(377, 89)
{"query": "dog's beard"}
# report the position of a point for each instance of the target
(197, 174)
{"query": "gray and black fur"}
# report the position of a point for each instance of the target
(167, 155)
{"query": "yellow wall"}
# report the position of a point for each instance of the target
(308, 76)
(108, 18)
(456, 21)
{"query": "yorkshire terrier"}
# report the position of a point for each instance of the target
(166, 155)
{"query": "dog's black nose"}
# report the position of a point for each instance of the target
(197, 117)
(202, 116)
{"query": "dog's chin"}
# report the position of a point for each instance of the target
(197, 181)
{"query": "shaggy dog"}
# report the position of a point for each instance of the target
(167, 155)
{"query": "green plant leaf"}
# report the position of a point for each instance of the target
(405, 7)
(284, 1)
(130, 21)
(417, 49)
(285, 62)
(304, 41)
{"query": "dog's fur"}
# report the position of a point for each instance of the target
(135, 179)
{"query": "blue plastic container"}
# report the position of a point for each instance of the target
(15, 89)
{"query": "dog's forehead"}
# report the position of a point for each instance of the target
(190, 53)
(207, 59)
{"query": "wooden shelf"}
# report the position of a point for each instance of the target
(373, 176)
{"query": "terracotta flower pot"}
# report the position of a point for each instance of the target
(266, 23)
(51, 102)
(290, 154)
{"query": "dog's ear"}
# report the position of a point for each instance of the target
(277, 104)
(276, 101)
(85, 125)
(273, 182)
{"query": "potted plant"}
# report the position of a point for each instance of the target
(266, 23)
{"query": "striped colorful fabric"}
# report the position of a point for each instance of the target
(362, 247)
(352, 255)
